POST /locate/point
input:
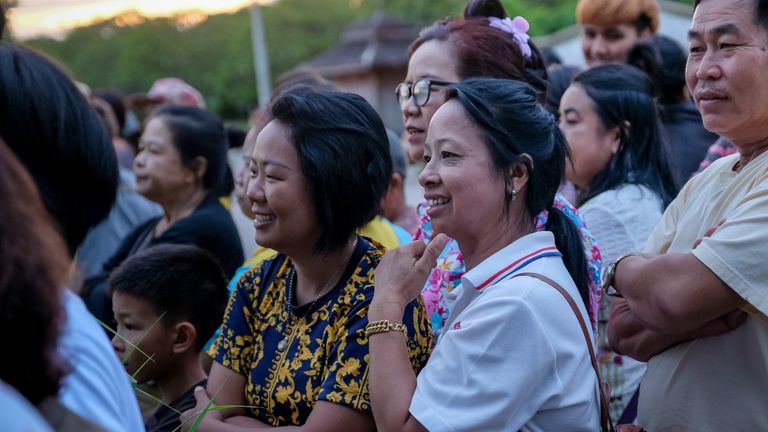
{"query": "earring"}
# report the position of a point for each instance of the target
(514, 195)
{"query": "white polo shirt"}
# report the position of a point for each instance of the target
(512, 355)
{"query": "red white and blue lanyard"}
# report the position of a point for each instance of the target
(510, 269)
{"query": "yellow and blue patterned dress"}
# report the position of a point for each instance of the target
(327, 354)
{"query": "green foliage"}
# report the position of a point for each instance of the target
(129, 52)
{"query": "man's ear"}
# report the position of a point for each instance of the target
(185, 335)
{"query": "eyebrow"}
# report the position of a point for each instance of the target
(718, 31)
(571, 110)
(267, 162)
(446, 140)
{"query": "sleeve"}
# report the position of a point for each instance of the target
(661, 237)
(96, 387)
(736, 251)
(347, 380)
(236, 344)
(487, 363)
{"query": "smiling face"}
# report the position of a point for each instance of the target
(591, 144)
(241, 179)
(436, 60)
(608, 44)
(464, 190)
(284, 212)
(139, 332)
(726, 70)
(160, 174)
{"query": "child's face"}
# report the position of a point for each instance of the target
(140, 336)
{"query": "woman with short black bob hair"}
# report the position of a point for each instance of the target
(338, 156)
(515, 347)
(292, 347)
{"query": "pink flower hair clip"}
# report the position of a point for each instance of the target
(518, 28)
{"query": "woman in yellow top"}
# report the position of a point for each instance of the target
(292, 346)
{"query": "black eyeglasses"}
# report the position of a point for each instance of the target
(419, 89)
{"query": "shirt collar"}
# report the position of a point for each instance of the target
(511, 259)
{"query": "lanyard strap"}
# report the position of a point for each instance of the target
(606, 424)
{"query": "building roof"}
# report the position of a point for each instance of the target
(380, 41)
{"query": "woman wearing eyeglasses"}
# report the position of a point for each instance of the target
(485, 43)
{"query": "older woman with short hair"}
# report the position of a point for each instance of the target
(181, 162)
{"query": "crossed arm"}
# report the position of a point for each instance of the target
(668, 299)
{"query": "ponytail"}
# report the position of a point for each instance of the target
(570, 244)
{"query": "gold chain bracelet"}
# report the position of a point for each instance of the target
(384, 326)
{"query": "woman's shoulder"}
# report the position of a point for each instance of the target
(372, 253)
(262, 276)
(210, 211)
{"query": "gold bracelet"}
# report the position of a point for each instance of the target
(384, 326)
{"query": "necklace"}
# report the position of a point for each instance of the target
(284, 342)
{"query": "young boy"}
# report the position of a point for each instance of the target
(167, 302)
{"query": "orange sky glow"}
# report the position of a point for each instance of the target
(53, 17)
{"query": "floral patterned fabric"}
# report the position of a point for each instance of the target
(327, 353)
(450, 266)
(721, 148)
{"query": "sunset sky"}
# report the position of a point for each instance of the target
(53, 17)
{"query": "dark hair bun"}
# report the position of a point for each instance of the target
(485, 9)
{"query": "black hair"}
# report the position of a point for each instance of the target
(760, 12)
(663, 59)
(643, 22)
(197, 133)
(514, 123)
(33, 268)
(343, 152)
(551, 57)
(59, 138)
(235, 139)
(235, 136)
(116, 100)
(181, 282)
(622, 96)
(560, 78)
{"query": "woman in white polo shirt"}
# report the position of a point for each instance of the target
(513, 355)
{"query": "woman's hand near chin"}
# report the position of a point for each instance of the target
(403, 271)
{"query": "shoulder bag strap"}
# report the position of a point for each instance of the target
(605, 419)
